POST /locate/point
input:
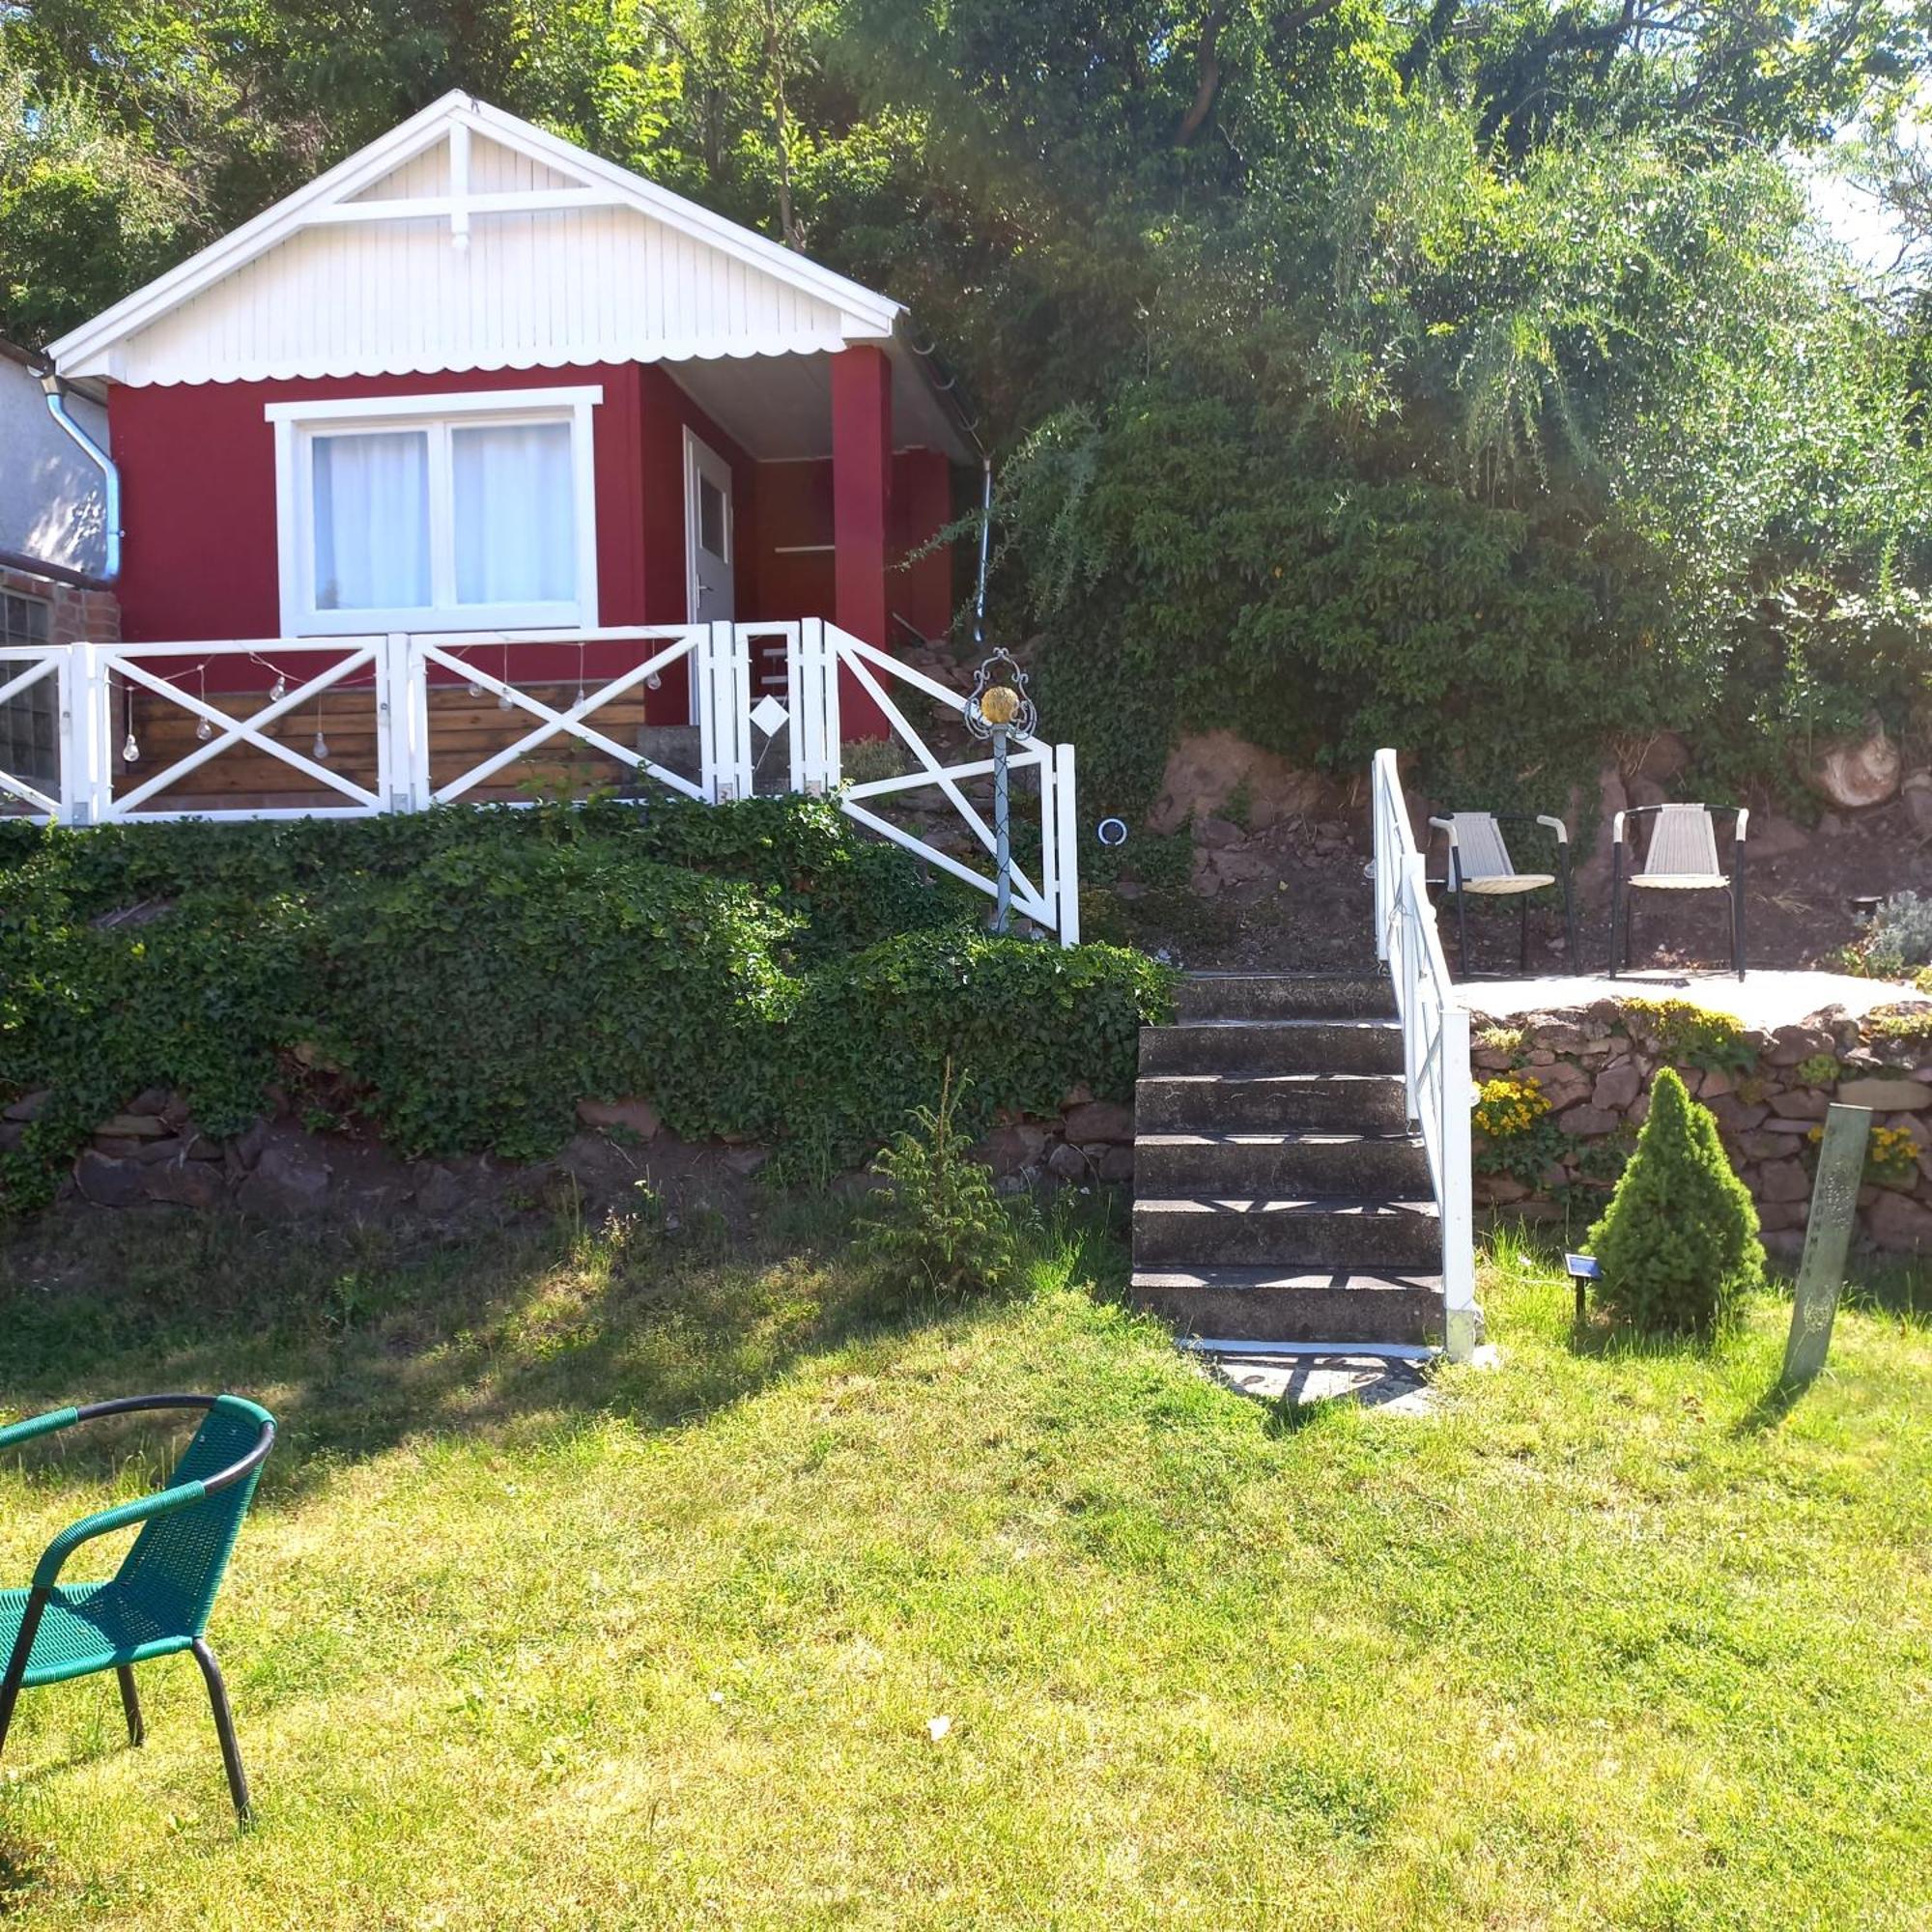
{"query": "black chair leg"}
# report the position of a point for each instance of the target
(224, 1726)
(1461, 920)
(1522, 934)
(131, 1705)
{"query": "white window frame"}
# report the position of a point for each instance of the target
(296, 425)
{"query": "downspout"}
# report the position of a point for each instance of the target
(985, 540)
(51, 382)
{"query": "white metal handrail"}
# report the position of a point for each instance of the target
(1434, 1045)
(395, 673)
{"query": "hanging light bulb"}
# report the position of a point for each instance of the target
(130, 752)
(279, 690)
(204, 731)
(655, 682)
(502, 700)
(318, 751)
(476, 689)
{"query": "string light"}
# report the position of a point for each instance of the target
(503, 699)
(318, 751)
(203, 729)
(130, 752)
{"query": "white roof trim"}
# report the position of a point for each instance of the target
(865, 314)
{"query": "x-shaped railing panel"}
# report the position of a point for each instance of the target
(228, 731)
(554, 721)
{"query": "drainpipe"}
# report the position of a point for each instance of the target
(111, 476)
(986, 539)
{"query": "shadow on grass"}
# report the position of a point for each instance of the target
(362, 1341)
(1770, 1408)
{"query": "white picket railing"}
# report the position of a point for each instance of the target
(396, 670)
(1434, 1045)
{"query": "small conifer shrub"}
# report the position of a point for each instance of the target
(939, 1230)
(1679, 1242)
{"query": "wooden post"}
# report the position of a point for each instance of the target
(1828, 1239)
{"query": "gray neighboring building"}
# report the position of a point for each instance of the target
(53, 552)
(51, 501)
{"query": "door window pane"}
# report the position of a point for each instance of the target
(711, 518)
(372, 520)
(514, 513)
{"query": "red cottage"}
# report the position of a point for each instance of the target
(481, 466)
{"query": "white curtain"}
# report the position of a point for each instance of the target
(372, 520)
(514, 514)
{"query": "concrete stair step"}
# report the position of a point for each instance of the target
(1254, 996)
(1231, 1104)
(1388, 1166)
(1321, 1232)
(1258, 1304)
(1272, 1046)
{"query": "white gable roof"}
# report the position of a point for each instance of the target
(466, 239)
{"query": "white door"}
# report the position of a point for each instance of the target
(707, 535)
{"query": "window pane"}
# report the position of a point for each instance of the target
(372, 520)
(711, 518)
(515, 513)
(29, 730)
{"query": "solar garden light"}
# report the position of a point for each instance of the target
(996, 707)
(1582, 1269)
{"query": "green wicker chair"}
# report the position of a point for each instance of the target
(158, 1603)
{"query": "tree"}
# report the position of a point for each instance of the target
(1679, 1242)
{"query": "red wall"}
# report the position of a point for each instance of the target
(795, 508)
(198, 492)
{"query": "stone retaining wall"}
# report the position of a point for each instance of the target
(152, 1153)
(1768, 1092)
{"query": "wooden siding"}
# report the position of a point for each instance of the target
(464, 731)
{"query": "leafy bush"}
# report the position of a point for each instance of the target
(1515, 1133)
(1905, 1025)
(477, 1000)
(1687, 1035)
(1897, 938)
(1021, 1023)
(1679, 1242)
(939, 1227)
(460, 979)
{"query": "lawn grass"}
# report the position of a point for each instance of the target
(617, 1581)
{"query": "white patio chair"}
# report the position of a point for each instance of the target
(1479, 863)
(1681, 857)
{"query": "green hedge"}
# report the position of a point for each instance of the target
(460, 979)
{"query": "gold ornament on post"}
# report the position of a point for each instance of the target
(996, 709)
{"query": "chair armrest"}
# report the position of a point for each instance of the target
(1447, 825)
(1557, 825)
(106, 1522)
(1743, 819)
(37, 1425)
(1617, 828)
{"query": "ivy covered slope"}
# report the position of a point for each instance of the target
(461, 979)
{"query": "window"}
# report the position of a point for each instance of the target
(28, 720)
(436, 512)
(711, 518)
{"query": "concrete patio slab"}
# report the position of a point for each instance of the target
(1762, 999)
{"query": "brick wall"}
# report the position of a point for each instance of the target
(76, 613)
